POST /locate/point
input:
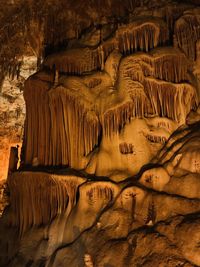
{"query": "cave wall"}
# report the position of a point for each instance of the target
(110, 168)
(12, 113)
(121, 91)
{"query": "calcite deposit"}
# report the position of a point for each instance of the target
(118, 104)
(110, 161)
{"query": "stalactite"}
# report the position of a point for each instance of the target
(55, 195)
(75, 61)
(168, 97)
(136, 86)
(172, 12)
(163, 124)
(94, 82)
(141, 104)
(115, 118)
(108, 46)
(37, 125)
(48, 131)
(97, 192)
(187, 32)
(135, 72)
(170, 100)
(167, 64)
(156, 139)
(170, 65)
(72, 116)
(126, 148)
(142, 36)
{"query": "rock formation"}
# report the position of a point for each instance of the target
(110, 161)
(12, 113)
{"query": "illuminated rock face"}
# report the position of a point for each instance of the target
(131, 99)
(111, 159)
(150, 219)
(12, 113)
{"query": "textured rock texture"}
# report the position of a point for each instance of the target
(151, 219)
(4, 199)
(12, 113)
(120, 101)
(110, 168)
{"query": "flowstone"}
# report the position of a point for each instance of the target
(110, 167)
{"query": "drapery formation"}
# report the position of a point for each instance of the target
(84, 94)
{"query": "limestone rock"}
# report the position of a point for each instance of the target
(110, 166)
(12, 113)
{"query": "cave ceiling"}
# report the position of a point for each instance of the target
(44, 27)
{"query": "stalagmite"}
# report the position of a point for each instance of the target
(101, 57)
(88, 260)
(56, 78)
(13, 160)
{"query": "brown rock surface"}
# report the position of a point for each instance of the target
(12, 113)
(111, 152)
